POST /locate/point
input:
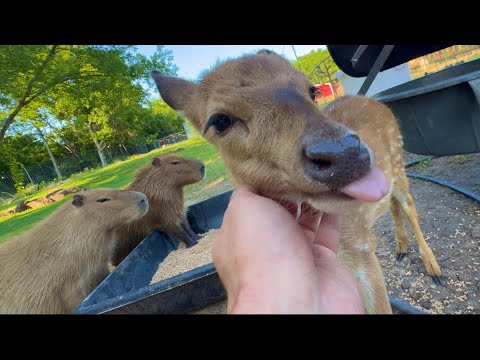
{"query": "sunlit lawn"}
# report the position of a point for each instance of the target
(119, 175)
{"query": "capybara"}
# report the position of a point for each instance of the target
(53, 267)
(162, 181)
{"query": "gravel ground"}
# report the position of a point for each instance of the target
(451, 225)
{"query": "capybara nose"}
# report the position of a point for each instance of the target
(337, 163)
(143, 201)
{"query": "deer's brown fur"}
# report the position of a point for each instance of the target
(274, 117)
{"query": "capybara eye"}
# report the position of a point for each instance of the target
(103, 199)
(175, 162)
(313, 92)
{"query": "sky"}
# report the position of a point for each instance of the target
(193, 59)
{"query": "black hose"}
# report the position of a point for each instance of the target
(467, 193)
(404, 307)
(400, 305)
(415, 162)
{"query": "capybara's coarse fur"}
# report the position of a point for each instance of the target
(53, 267)
(162, 181)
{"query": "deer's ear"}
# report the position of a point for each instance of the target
(265, 52)
(177, 93)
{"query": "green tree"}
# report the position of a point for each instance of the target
(164, 120)
(36, 117)
(318, 65)
(29, 73)
(106, 102)
(18, 151)
(74, 99)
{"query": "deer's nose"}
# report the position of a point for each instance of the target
(338, 162)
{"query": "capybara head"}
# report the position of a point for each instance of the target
(261, 114)
(172, 171)
(109, 207)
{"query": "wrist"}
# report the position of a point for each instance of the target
(282, 297)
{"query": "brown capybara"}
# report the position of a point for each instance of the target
(162, 181)
(53, 267)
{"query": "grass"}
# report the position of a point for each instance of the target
(118, 176)
(463, 158)
(425, 163)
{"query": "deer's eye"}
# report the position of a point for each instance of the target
(220, 122)
(313, 92)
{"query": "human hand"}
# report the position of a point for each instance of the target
(270, 263)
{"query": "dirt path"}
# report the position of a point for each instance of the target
(451, 225)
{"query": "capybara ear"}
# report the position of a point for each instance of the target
(78, 200)
(156, 162)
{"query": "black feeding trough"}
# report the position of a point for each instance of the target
(127, 289)
(439, 114)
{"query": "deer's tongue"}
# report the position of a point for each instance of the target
(372, 187)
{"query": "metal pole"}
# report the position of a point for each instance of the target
(360, 50)
(29, 177)
(296, 57)
(376, 68)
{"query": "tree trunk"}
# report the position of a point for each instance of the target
(63, 143)
(52, 158)
(71, 151)
(25, 98)
(98, 145)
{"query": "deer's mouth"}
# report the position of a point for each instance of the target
(370, 188)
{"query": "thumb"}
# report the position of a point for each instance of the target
(328, 233)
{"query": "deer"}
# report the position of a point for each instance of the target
(347, 158)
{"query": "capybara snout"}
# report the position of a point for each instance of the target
(141, 201)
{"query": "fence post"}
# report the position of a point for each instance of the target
(29, 177)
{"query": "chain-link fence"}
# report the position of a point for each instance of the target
(39, 174)
(442, 59)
